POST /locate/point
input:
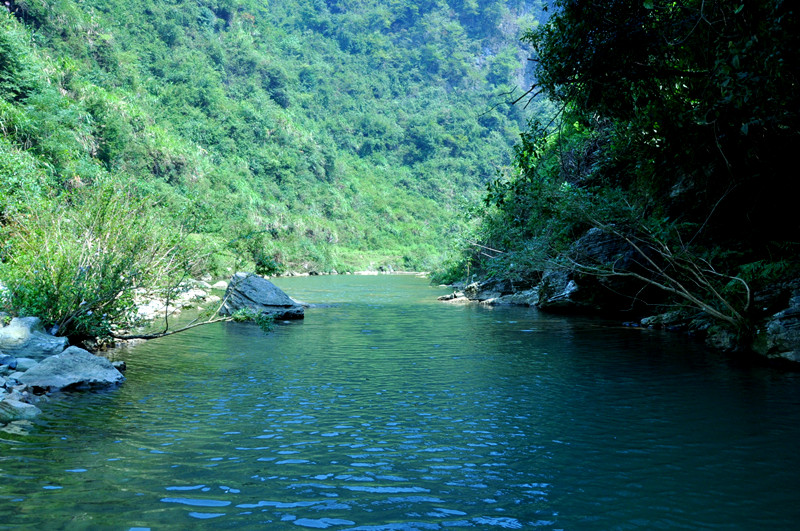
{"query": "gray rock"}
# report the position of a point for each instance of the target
(11, 409)
(482, 291)
(25, 337)
(558, 291)
(524, 298)
(191, 295)
(665, 320)
(23, 364)
(8, 361)
(74, 367)
(455, 298)
(489, 290)
(605, 252)
(154, 308)
(599, 248)
(252, 292)
(220, 285)
(781, 335)
(721, 338)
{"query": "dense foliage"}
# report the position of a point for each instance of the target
(294, 134)
(79, 267)
(677, 124)
(348, 131)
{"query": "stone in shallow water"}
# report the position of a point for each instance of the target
(18, 427)
(11, 409)
(74, 367)
(251, 292)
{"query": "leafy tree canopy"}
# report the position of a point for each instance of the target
(698, 101)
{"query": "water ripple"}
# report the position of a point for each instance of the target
(457, 421)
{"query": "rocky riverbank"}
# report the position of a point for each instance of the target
(777, 335)
(35, 363)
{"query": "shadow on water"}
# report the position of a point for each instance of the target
(385, 409)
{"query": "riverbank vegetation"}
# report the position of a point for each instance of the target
(143, 142)
(674, 138)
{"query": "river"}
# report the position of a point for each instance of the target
(386, 409)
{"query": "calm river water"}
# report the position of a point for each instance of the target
(389, 410)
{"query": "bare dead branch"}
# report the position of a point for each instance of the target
(165, 333)
(487, 248)
(681, 274)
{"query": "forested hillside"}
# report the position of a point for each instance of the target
(340, 128)
(283, 135)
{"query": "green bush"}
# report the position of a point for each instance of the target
(264, 320)
(78, 264)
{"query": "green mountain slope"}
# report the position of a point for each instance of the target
(299, 134)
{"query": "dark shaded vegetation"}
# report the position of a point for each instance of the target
(675, 134)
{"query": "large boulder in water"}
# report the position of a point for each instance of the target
(24, 337)
(248, 291)
(72, 368)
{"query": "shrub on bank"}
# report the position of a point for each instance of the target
(76, 264)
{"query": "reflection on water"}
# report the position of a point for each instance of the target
(388, 410)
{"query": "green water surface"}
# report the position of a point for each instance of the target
(386, 409)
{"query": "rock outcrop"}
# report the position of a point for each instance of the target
(775, 312)
(780, 336)
(72, 368)
(558, 291)
(248, 291)
(24, 337)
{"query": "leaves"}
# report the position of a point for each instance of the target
(676, 121)
(77, 266)
(307, 118)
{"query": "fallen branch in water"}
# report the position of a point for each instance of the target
(167, 332)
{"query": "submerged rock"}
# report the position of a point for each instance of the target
(11, 409)
(248, 291)
(74, 367)
(24, 337)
